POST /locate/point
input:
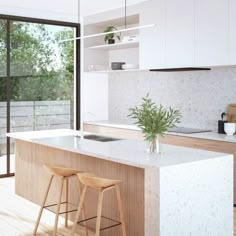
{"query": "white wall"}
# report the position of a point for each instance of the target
(62, 10)
(94, 96)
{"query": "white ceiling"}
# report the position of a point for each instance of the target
(46, 9)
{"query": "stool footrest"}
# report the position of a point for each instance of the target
(117, 223)
(70, 205)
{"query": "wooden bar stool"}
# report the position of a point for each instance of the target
(101, 185)
(65, 174)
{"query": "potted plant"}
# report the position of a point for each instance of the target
(154, 121)
(110, 37)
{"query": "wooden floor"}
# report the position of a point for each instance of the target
(18, 216)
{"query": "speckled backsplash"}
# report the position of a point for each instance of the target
(201, 96)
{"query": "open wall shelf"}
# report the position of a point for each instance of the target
(116, 46)
(99, 55)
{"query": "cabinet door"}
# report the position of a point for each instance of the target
(179, 25)
(211, 25)
(152, 40)
(232, 32)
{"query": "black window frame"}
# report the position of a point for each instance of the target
(10, 18)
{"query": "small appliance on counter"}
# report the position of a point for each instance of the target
(222, 122)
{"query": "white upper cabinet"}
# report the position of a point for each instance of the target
(171, 43)
(188, 33)
(91, 7)
(232, 32)
(179, 27)
(212, 32)
(152, 40)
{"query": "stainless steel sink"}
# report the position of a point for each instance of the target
(100, 138)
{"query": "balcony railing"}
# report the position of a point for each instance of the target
(34, 115)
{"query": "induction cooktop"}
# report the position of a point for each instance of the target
(185, 130)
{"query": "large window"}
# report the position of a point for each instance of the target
(37, 80)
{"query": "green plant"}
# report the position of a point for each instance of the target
(154, 120)
(111, 35)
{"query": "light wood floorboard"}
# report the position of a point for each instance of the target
(18, 216)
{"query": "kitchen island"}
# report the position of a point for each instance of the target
(182, 192)
(209, 141)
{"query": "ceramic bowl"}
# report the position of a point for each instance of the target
(229, 128)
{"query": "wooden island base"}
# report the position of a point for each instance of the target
(32, 180)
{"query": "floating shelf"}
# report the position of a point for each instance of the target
(116, 71)
(115, 46)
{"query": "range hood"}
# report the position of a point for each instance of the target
(180, 69)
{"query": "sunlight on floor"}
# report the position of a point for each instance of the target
(18, 216)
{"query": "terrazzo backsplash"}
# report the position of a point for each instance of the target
(201, 96)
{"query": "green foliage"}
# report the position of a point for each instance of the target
(154, 120)
(111, 35)
(66, 50)
(41, 67)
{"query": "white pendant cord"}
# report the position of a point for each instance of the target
(125, 14)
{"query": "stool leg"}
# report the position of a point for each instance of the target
(120, 210)
(79, 210)
(83, 210)
(99, 213)
(42, 206)
(58, 207)
(67, 199)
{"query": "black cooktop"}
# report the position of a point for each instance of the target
(185, 130)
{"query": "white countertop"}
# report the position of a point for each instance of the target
(130, 152)
(204, 135)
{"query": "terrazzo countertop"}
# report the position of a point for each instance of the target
(204, 135)
(130, 152)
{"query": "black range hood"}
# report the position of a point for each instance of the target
(180, 69)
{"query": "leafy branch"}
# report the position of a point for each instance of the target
(154, 120)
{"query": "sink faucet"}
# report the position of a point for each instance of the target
(82, 122)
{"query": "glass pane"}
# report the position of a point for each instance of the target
(3, 105)
(42, 77)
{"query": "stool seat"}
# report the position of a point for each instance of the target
(60, 171)
(96, 182)
(101, 185)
